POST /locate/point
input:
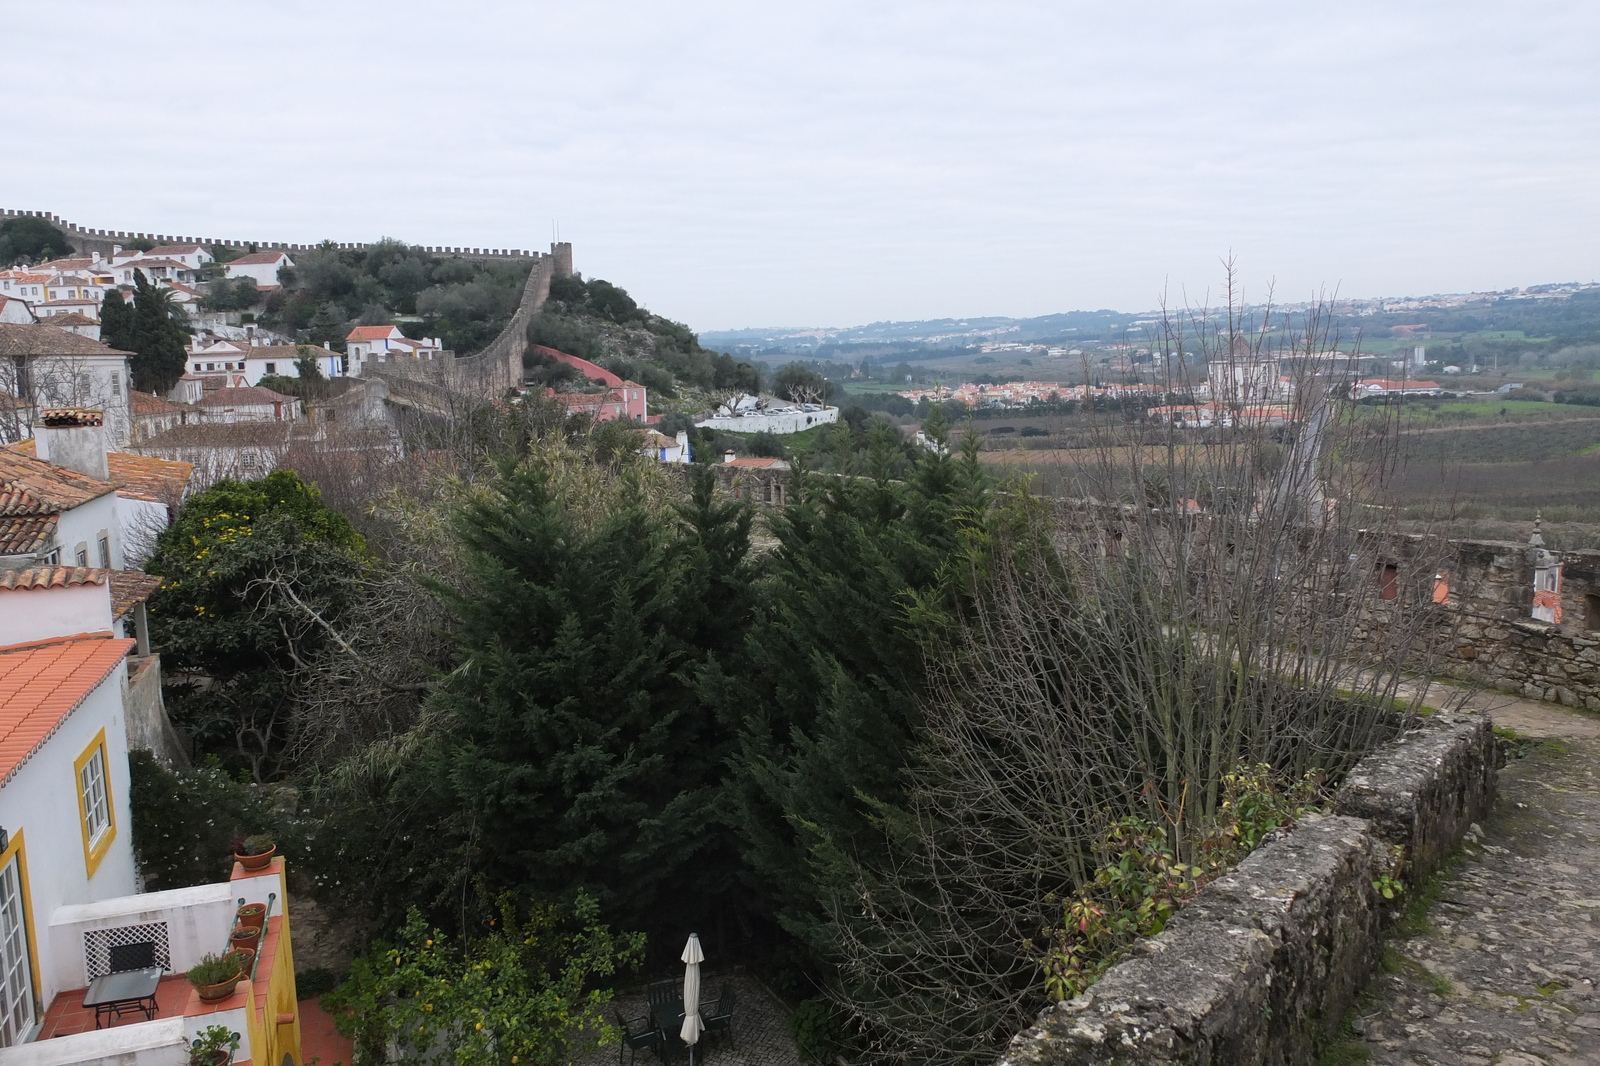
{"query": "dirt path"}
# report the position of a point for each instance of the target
(1503, 968)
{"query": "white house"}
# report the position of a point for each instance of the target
(155, 270)
(367, 345)
(63, 802)
(665, 449)
(69, 899)
(260, 267)
(48, 367)
(194, 256)
(81, 323)
(15, 311)
(57, 515)
(249, 404)
(27, 285)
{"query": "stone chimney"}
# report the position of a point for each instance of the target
(73, 437)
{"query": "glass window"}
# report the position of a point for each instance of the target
(83, 556)
(105, 550)
(92, 791)
(16, 975)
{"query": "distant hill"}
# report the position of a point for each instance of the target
(1569, 313)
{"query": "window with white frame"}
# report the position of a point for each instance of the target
(92, 790)
(16, 975)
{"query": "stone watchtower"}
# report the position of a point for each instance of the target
(561, 256)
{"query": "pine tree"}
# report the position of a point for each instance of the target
(116, 322)
(325, 329)
(576, 745)
(159, 342)
(834, 673)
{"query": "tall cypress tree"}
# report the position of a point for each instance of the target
(834, 673)
(575, 743)
(116, 322)
(158, 340)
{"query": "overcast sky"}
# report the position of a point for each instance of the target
(831, 164)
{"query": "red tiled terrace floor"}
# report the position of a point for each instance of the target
(320, 1042)
(67, 1014)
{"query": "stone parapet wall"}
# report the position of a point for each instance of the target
(86, 240)
(1261, 966)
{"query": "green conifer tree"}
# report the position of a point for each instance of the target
(576, 746)
(159, 342)
(834, 673)
(116, 322)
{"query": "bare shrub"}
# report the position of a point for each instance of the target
(1221, 599)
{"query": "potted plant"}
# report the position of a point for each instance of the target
(213, 1046)
(215, 976)
(254, 852)
(253, 915)
(244, 936)
(246, 957)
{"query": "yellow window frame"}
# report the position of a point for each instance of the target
(18, 849)
(95, 850)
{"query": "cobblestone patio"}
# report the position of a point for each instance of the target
(1506, 972)
(760, 1028)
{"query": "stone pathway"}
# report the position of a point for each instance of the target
(1507, 970)
(760, 1028)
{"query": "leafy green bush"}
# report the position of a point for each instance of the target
(526, 991)
(184, 822)
(315, 982)
(818, 1030)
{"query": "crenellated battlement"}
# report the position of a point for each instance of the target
(86, 240)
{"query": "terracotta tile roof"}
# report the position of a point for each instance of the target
(250, 395)
(72, 318)
(144, 477)
(154, 262)
(26, 534)
(144, 403)
(174, 249)
(73, 263)
(30, 486)
(226, 435)
(372, 333)
(257, 258)
(141, 477)
(53, 577)
(48, 340)
(757, 464)
(42, 683)
(130, 587)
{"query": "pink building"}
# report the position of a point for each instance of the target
(621, 399)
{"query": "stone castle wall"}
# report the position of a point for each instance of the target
(86, 240)
(1261, 966)
(1487, 634)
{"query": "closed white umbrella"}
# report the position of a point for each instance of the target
(692, 1025)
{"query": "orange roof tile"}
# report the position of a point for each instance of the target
(33, 486)
(43, 682)
(26, 534)
(257, 258)
(52, 577)
(129, 587)
(371, 333)
(141, 477)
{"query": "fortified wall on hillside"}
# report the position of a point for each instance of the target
(86, 240)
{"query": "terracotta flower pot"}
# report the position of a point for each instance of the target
(221, 990)
(256, 862)
(244, 937)
(220, 1057)
(246, 956)
(251, 916)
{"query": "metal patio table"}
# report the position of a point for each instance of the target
(129, 990)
